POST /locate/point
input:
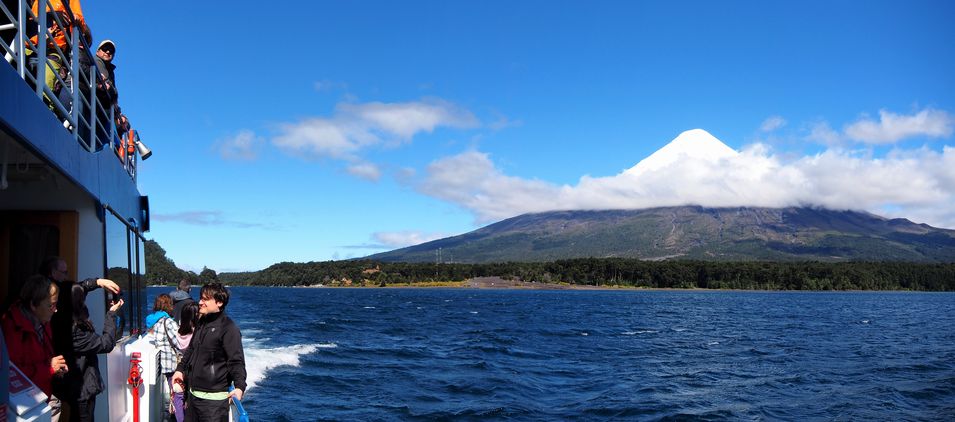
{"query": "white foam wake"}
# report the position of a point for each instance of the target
(260, 360)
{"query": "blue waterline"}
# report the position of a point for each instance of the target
(432, 354)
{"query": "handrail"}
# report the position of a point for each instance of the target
(82, 117)
(240, 415)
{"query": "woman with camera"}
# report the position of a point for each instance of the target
(85, 381)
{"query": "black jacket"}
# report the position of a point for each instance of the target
(83, 378)
(179, 300)
(214, 358)
(107, 70)
(62, 325)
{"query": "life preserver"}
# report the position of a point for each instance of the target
(127, 145)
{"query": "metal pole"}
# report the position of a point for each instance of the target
(21, 29)
(41, 47)
(75, 70)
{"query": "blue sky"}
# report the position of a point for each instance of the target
(340, 129)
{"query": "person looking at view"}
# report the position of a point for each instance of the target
(162, 330)
(213, 360)
(180, 298)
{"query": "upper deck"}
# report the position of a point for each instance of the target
(40, 134)
(68, 172)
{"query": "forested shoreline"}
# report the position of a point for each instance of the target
(749, 275)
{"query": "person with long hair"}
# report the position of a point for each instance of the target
(189, 317)
(162, 330)
(85, 381)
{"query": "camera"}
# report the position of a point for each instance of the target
(113, 297)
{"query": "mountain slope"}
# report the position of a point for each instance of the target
(691, 232)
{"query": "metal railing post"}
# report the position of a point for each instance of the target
(41, 47)
(112, 124)
(21, 29)
(93, 122)
(75, 70)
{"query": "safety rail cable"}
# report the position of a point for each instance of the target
(86, 127)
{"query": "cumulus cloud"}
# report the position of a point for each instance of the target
(889, 129)
(355, 127)
(916, 184)
(822, 133)
(367, 171)
(401, 239)
(772, 123)
(892, 127)
(244, 146)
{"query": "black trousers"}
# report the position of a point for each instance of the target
(82, 410)
(199, 410)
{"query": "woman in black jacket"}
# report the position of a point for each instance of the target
(85, 381)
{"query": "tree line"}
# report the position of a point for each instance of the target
(162, 270)
(748, 275)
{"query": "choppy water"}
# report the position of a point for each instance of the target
(432, 354)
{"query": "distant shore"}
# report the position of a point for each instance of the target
(488, 283)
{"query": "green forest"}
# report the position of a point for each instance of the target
(681, 274)
(750, 275)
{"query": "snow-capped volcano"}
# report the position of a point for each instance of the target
(695, 144)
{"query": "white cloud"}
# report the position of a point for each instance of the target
(918, 184)
(406, 119)
(822, 133)
(471, 181)
(355, 127)
(401, 239)
(243, 146)
(367, 171)
(772, 123)
(893, 127)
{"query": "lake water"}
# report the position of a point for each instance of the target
(433, 354)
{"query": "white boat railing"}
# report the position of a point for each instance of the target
(90, 123)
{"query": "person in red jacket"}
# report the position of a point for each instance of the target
(26, 330)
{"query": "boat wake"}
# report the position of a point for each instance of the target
(259, 360)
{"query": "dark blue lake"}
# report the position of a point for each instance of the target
(432, 354)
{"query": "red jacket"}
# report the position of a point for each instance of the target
(25, 349)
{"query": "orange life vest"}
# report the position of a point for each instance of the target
(69, 19)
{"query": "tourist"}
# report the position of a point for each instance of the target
(27, 332)
(106, 86)
(190, 317)
(180, 298)
(162, 331)
(84, 379)
(214, 359)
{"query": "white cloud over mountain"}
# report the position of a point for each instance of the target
(772, 123)
(354, 127)
(696, 168)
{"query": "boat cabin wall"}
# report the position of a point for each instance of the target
(43, 218)
(50, 216)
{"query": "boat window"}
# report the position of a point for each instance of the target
(138, 293)
(118, 268)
